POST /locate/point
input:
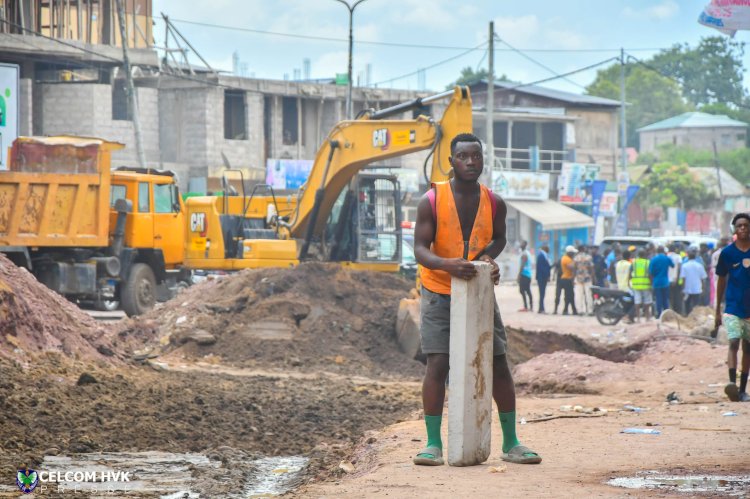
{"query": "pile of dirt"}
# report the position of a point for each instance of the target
(35, 319)
(700, 322)
(74, 406)
(315, 317)
(566, 372)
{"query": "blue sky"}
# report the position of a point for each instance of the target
(531, 24)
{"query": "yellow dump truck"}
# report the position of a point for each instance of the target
(89, 233)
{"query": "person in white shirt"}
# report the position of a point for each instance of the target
(693, 273)
(675, 287)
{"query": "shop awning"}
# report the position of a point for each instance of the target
(552, 215)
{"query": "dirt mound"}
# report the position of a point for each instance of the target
(35, 319)
(567, 372)
(313, 317)
(84, 408)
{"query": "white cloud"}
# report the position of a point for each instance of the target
(518, 31)
(529, 31)
(664, 10)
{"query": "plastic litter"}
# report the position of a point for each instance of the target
(634, 408)
(730, 413)
(641, 431)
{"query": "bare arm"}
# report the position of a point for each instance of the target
(424, 236)
(721, 287)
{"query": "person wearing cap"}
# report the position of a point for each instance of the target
(567, 273)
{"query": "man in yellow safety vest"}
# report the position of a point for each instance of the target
(640, 281)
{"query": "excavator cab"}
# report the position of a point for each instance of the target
(364, 227)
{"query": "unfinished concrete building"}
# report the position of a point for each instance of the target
(72, 82)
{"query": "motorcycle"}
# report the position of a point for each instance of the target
(611, 305)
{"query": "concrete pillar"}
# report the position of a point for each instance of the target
(470, 402)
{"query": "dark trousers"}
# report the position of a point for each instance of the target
(567, 286)
(524, 285)
(675, 297)
(661, 297)
(542, 291)
(692, 301)
(558, 292)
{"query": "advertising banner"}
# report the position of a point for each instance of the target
(9, 74)
(521, 185)
(287, 173)
(727, 16)
(574, 184)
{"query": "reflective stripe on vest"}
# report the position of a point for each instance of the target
(639, 279)
(448, 241)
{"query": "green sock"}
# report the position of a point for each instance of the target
(433, 431)
(508, 424)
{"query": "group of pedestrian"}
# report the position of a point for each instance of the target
(575, 272)
(665, 277)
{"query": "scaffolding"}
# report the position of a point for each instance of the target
(87, 21)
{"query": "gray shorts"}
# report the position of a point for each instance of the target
(642, 296)
(435, 310)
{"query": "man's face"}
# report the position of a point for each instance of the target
(742, 229)
(467, 161)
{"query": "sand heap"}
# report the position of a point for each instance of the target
(35, 319)
(316, 316)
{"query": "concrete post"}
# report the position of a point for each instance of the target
(470, 401)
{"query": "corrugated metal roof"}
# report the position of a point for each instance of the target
(560, 95)
(694, 120)
(552, 215)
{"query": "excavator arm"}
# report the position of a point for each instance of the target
(352, 145)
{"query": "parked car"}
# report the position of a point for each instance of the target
(627, 241)
(688, 241)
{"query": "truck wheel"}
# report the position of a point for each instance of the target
(139, 291)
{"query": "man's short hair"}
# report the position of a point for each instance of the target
(626, 255)
(746, 216)
(641, 253)
(464, 137)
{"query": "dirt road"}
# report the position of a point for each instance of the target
(284, 363)
(581, 454)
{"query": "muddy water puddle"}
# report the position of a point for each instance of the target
(164, 474)
(695, 484)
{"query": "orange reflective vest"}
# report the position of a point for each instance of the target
(449, 242)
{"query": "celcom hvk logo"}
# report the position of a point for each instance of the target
(27, 480)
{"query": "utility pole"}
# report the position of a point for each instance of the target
(623, 134)
(349, 104)
(132, 97)
(491, 104)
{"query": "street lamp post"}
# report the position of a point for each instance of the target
(349, 106)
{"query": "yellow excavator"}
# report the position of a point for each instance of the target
(341, 213)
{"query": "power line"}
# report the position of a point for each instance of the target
(545, 80)
(541, 65)
(392, 44)
(390, 80)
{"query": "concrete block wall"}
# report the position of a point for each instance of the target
(242, 154)
(25, 107)
(183, 126)
(124, 131)
(65, 109)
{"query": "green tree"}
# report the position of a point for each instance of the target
(650, 97)
(669, 185)
(469, 77)
(709, 73)
(735, 162)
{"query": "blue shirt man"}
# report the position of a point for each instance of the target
(659, 269)
(693, 273)
(735, 264)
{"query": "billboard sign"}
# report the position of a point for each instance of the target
(287, 173)
(575, 182)
(9, 115)
(521, 185)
